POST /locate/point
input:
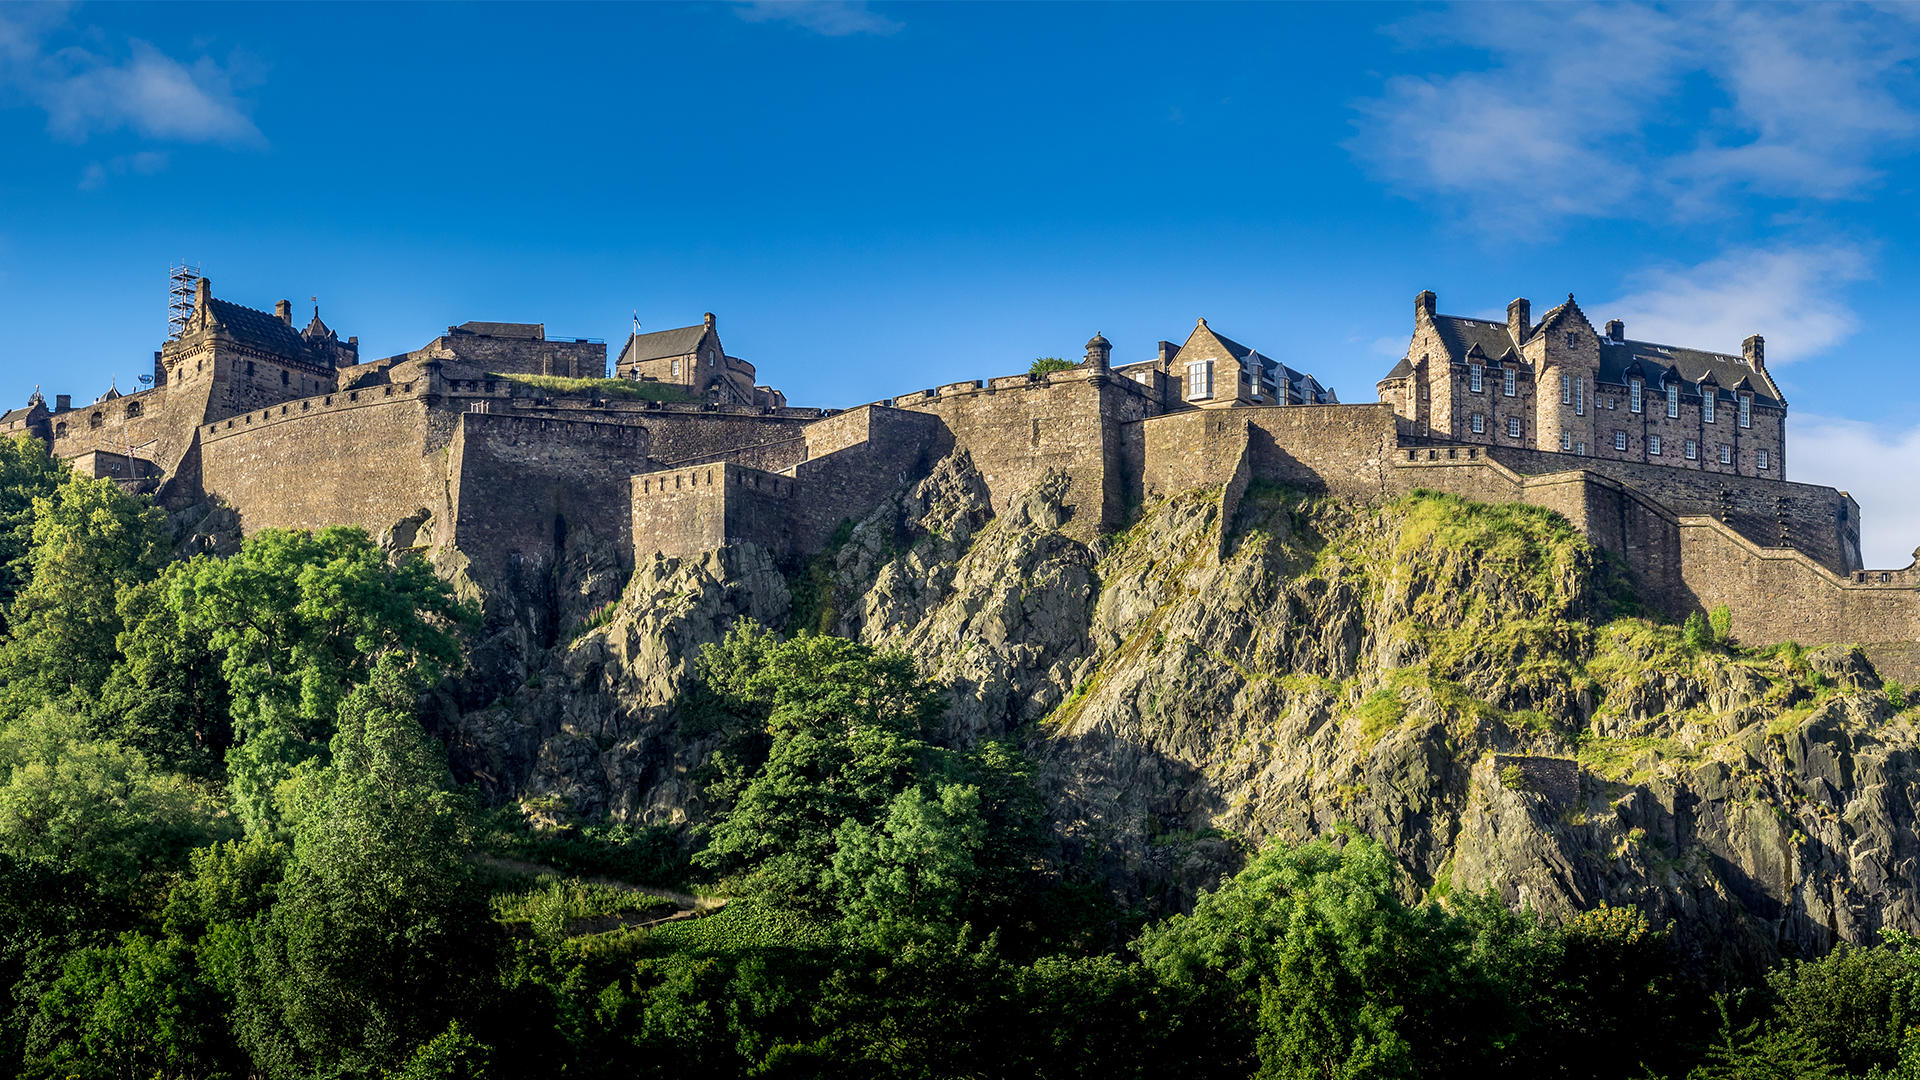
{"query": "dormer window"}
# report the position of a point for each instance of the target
(1746, 410)
(1634, 402)
(1706, 404)
(1510, 381)
(1475, 372)
(1673, 401)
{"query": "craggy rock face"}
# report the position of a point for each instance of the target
(1423, 672)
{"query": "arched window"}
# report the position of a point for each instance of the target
(94, 420)
(59, 430)
(133, 409)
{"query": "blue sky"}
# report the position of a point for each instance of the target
(879, 198)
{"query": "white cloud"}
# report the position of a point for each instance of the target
(86, 93)
(144, 163)
(1789, 295)
(1874, 464)
(832, 18)
(1582, 110)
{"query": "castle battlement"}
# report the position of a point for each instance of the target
(461, 442)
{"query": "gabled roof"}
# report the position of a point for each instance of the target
(1565, 313)
(663, 343)
(257, 328)
(1401, 370)
(12, 415)
(1462, 335)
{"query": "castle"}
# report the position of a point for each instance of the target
(477, 443)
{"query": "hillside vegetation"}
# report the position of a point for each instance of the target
(1280, 796)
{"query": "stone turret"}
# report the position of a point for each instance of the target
(1099, 352)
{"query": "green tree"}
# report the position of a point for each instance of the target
(1853, 1002)
(133, 1009)
(90, 540)
(167, 696)
(1761, 1051)
(71, 799)
(27, 472)
(379, 936)
(298, 620)
(1046, 364)
(1344, 978)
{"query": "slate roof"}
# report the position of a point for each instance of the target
(1461, 335)
(12, 415)
(504, 329)
(663, 343)
(1692, 365)
(257, 328)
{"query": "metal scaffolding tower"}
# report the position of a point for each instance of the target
(182, 279)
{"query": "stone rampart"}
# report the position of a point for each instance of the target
(522, 486)
(689, 510)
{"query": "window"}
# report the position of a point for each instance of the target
(1566, 389)
(1673, 401)
(1653, 445)
(1726, 454)
(59, 431)
(1566, 441)
(1474, 375)
(1693, 450)
(1609, 404)
(1580, 449)
(1634, 402)
(249, 368)
(1619, 440)
(1479, 424)
(1579, 395)
(1513, 427)
(133, 409)
(283, 379)
(676, 369)
(1760, 459)
(1572, 340)
(1200, 380)
(1510, 382)
(1746, 410)
(1707, 403)
(94, 420)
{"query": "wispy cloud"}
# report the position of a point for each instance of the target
(1589, 111)
(144, 163)
(1842, 453)
(832, 18)
(146, 91)
(1791, 295)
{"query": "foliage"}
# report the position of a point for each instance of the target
(1720, 620)
(90, 540)
(93, 804)
(1697, 634)
(626, 388)
(550, 907)
(1855, 1003)
(133, 1008)
(1047, 364)
(379, 937)
(27, 472)
(1761, 1051)
(167, 696)
(640, 854)
(299, 619)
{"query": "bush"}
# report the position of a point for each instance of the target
(1047, 364)
(1721, 620)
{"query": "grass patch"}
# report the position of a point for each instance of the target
(608, 388)
(558, 908)
(743, 925)
(640, 854)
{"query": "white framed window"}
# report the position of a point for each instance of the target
(1693, 450)
(1580, 449)
(1566, 441)
(1653, 445)
(1746, 410)
(1573, 340)
(1511, 378)
(1619, 440)
(1566, 389)
(1673, 401)
(1707, 403)
(1610, 403)
(1475, 375)
(1579, 395)
(1513, 427)
(676, 368)
(1479, 424)
(1200, 380)
(1726, 454)
(1760, 459)
(1634, 401)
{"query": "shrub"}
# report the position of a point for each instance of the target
(1046, 364)
(1721, 619)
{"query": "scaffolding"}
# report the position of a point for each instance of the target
(183, 278)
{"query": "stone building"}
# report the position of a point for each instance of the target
(521, 486)
(1560, 385)
(692, 358)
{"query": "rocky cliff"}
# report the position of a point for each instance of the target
(1467, 683)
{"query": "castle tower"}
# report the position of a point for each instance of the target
(1565, 352)
(1099, 353)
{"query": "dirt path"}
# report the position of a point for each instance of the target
(692, 905)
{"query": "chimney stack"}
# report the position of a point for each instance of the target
(62, 403)
(1520, 319)
(1755, 350)
(1424, 302)
(284, 309)
(1616, 330)
(710, 323)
